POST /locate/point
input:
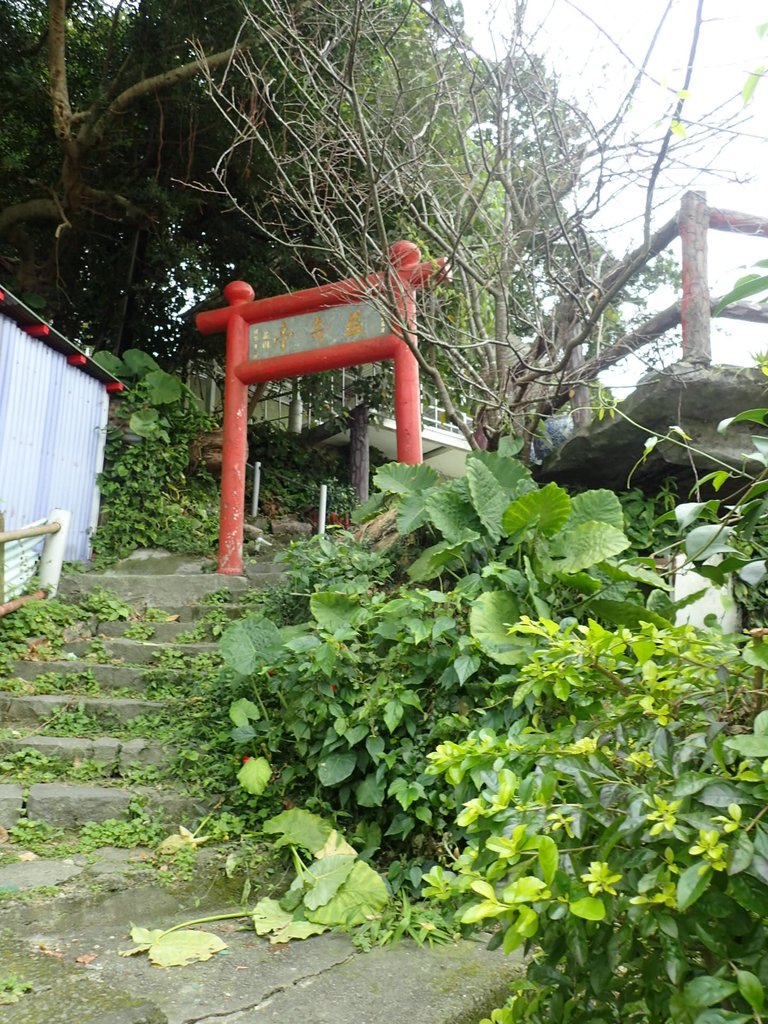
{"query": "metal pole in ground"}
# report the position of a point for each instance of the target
(256, 489)
(322, 509)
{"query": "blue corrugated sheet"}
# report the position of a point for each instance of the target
(53, 421)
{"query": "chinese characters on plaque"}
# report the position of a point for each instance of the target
(339, 325)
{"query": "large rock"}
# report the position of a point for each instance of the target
(692, 397)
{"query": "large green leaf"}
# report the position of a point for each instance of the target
(489, 620)
(334, 768)
(112, 364)
(177, 949)
(138, 362)
(451, 511)
(488, 496)
(361, 897)
(163, 388)
(332, 610)
(370, 792)
(270, 919)
(298, 827)
(626, 613)
(249, 643)
(269, 916)
(399, 478)
(412, 512)
(242, 712)
(514, 477)
(546, 511)
(598, 507)
(705, 541)
(324, 879)
(586, 545)
(749, 746)
(255, 774)
(433, 560)
(145, 423)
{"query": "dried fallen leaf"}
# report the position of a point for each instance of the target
(4, 837)
(47, 951)
(86, 958)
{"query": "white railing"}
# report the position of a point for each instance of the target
(20, 559)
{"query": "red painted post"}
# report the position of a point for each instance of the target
(235, 442)
(405, 257)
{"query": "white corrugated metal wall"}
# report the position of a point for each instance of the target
(53, 420)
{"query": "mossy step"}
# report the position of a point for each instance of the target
(108, 677)
(189, 613)
(106, 750)
(162, 632)
(141, 652)
(155, 591)
(107, 711)
(69, 805)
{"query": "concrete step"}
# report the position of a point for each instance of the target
(69, 805)
(108, 711)
(162, 632)
(153, 591)
(109, 677)
(140, 652)
(189, 613)
(120, 754)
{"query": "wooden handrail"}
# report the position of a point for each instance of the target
(29, 531)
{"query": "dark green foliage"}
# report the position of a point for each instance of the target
(150, 495)
(292, 471)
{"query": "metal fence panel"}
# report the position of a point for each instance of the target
(20, 558)
(52, 432)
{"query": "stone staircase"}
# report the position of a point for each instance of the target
(107, 683)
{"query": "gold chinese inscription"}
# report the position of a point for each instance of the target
(339, 325)
(354, 328)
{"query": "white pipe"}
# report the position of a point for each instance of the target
(322, 509)
(52, 557)
(256, 489)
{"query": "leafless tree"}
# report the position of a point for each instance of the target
(380, 121)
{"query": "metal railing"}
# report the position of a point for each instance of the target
(20, 559)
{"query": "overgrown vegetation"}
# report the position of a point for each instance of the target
(501, 714)
(150, 496)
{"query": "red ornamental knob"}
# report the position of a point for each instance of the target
(238, 291)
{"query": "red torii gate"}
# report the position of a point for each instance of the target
(303, 319)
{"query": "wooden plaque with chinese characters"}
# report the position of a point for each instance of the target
(340, 325)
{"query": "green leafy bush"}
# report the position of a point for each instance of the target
(150, 496)
(348, 708)
(615, 829)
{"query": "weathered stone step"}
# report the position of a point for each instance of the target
(108, 711)
(156, 591)
(109, 677)
(189, 613)
(106, 750)
(162, 632)
(141, 652)
(70, 805)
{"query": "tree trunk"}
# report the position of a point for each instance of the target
(359, 461)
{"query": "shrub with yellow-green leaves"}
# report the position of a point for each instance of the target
(618, 830)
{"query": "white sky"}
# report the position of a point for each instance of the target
(592, 71)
